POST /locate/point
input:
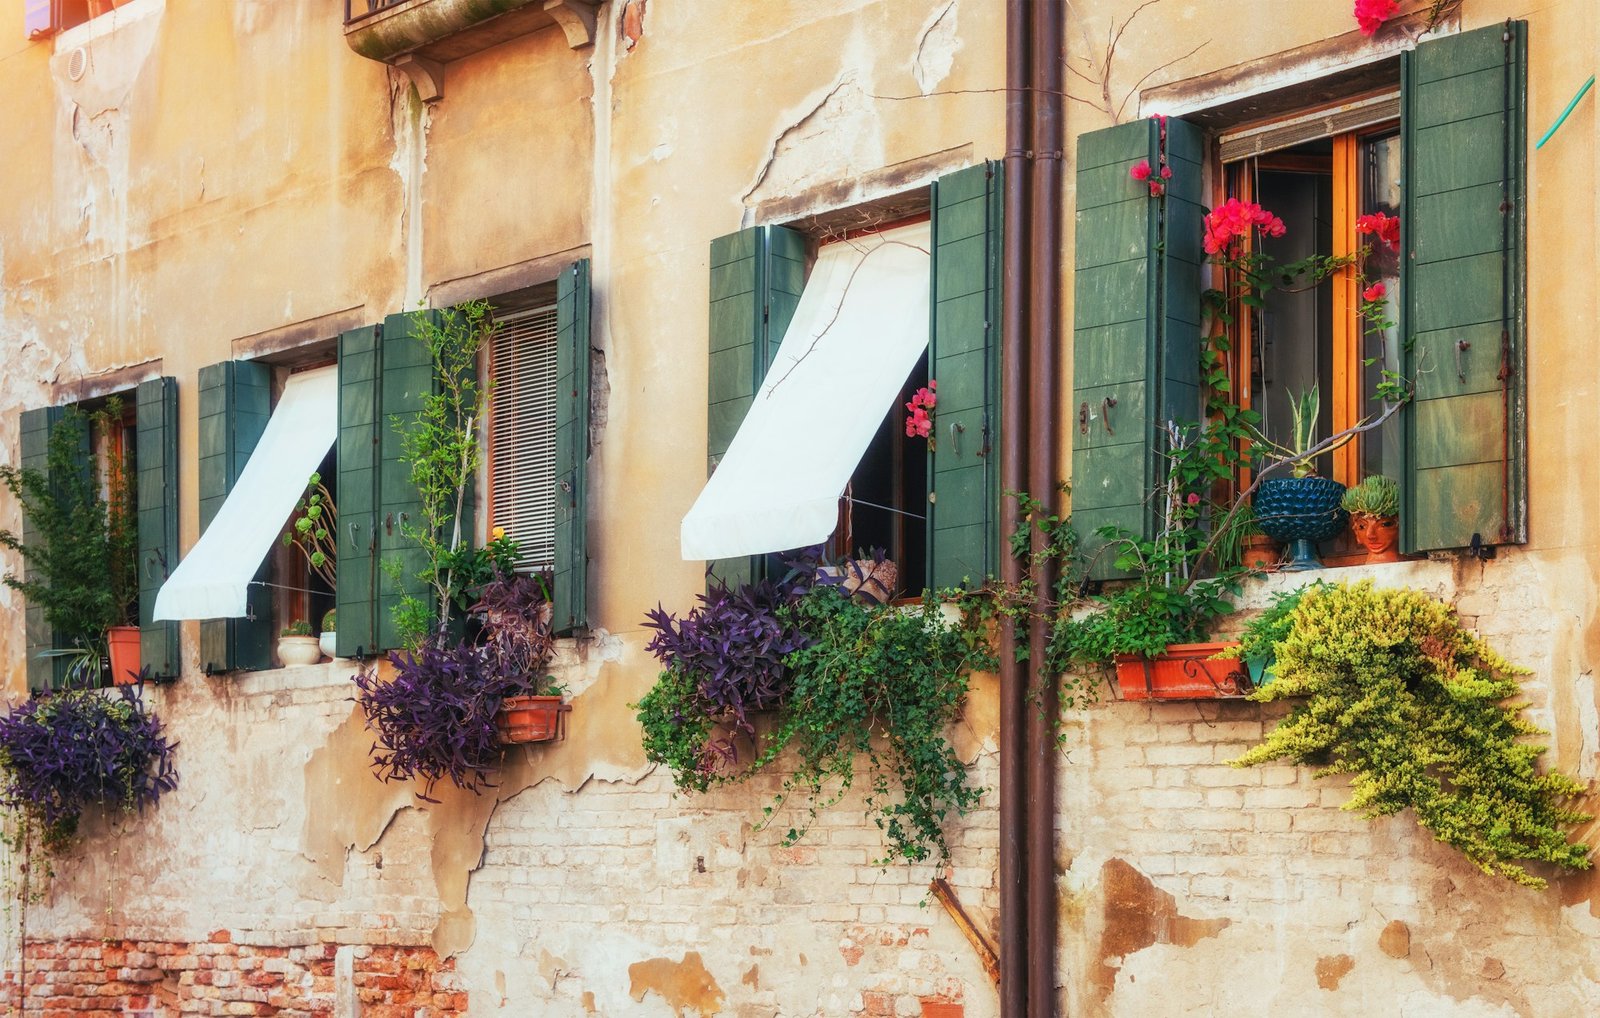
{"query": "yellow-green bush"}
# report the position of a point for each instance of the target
(1410, 704)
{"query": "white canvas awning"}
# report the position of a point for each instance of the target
(213, 580)
(858, 330)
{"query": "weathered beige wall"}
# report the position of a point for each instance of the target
(224, 171)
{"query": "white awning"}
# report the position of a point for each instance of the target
(213, 580)
(860, 326)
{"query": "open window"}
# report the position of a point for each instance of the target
(1451, 168)
(809, 377)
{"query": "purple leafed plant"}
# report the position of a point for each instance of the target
(64, 752)
(734, 641)
(435, 718)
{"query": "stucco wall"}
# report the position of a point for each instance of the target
(223, 174)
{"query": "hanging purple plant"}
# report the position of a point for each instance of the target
(63, 752)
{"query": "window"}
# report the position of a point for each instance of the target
(1308, 335)
(44, 18)
(932, 505)
(521, 461)
(1453, 171)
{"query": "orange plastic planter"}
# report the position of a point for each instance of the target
(524, 719)
(124, 645)
(1182, 673)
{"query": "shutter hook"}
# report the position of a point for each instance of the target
(955, 438)
(564, 486)
(1105, 413)
(388, 523)
(1462, 346)
(1083, 418)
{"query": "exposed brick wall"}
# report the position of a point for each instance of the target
(161, 979)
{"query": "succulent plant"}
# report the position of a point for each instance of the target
(1376, 495)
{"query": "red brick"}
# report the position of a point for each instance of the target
(221, 937)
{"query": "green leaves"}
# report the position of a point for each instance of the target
(1411, 705)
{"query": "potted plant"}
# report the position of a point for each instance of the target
(1301, 509)
(1374, 508)
(517, 621)
(82, 558)
(64, 752)
(297, 646)
(327, 642)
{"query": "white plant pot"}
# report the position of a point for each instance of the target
(298, 650)
(327, 642)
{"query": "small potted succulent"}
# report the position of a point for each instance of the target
(327, 641)
(297, 646)
(1301, 509)
(1374, 508)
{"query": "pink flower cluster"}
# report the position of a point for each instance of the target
(1385, 227)
(1374, 292)
(919, 423)
(1145, 174)
(1232, 221)
(1371, 14)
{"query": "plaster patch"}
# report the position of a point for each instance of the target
(834, 136)
(1395, 940)
(936, 49)
(682, 984)
(346, 807)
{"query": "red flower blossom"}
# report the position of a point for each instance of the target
(919, 424)
(1157, 189)
(1386, 228)
(1370, 14)
(1194, 499)
(1374, 292)
(1140, 170)
(1166, 173)
(1233, 220)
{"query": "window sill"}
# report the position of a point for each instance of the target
(1428, 575)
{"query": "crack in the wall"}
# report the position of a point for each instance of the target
(936, 49)
(783, 135)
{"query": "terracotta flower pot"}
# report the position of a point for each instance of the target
(1260, 553)
(1181, 673)
(1380, 535)
(524, 719)
(124, 645)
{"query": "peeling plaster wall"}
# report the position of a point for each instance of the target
(225, 171)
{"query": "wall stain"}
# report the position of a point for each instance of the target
(682, 984)
(1333, 967)
(1137, 914)
(1395, 940)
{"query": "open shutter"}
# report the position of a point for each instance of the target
(40, 635)
(963, 357)
(156, 458)
(356, 593)
(756, 279)
(406, 379)
(1463, 119)
(1136, 325)
(570, 595)
(235, 402)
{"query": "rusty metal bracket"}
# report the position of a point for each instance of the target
(946, 895)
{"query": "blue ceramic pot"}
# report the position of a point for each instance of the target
(1300, 511)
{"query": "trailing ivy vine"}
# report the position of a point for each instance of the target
(1412, 706)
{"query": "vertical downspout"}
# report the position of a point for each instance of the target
(1044, 342)
(1013, 477)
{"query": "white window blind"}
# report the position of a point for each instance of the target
(522, 434)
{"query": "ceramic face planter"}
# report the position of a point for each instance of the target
(1380, 535)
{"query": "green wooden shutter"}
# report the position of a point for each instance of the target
(360, 424)
(43, 672)
(570, 595)
(1463, 120)
(235, 402)
(156, 459)
(757, 276)
(964, 358)
(1136, 325)
(406, 379)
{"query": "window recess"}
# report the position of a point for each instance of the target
(521, 461)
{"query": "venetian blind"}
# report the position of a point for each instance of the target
(522, 429)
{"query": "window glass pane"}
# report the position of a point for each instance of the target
(1380, 449)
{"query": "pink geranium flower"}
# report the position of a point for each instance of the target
(1371, 14)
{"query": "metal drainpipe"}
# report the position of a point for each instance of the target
(1013, 477)
(1044, 341)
